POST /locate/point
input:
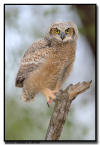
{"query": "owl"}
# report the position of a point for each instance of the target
(48, 62)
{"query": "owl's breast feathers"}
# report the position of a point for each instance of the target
(52, 58)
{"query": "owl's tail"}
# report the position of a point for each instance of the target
(27, 97)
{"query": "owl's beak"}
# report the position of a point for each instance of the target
(62, 35)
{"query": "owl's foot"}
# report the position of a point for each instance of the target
(50, 95)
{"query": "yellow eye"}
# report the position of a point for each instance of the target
(57, 31)
(67, 31)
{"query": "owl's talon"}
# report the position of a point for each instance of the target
(50, 100)
(50, 95)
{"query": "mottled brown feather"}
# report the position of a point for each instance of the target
(32, 60)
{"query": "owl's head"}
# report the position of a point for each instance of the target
(62, 32)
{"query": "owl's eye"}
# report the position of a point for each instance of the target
(67, 31)
(54, 31)
(57, 31)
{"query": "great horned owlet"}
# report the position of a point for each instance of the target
(48, 62)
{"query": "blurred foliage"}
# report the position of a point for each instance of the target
(51, 11)
(23, 123)
(87, 15)
(10, 17)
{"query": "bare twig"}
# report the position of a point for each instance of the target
(61, 108)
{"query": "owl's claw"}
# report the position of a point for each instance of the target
(49, 101)
(50, 95)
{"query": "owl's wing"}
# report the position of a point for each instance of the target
(33, 58)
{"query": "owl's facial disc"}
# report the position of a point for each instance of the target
(62, 35)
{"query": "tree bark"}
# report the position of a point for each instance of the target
(62, 104)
